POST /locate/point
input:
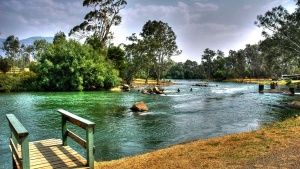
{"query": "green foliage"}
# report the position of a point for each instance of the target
(99, 21)
(11, 47)
(10, 83)
(288, 81)
(5, 64)
(117, 56)
(71, 66)
(161, 41)
(28, 81)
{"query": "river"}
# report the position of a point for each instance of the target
(205, 112)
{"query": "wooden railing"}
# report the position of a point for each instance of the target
(89, 126)
(19, 135)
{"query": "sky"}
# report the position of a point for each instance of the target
(198, 24)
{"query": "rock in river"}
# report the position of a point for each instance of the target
(139, 106)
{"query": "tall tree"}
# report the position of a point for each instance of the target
(117, 56)
(11, 46)
(137, 57)
(99, 21)
(253, 59)
(207, 60)
(161, 40)
(278, 23)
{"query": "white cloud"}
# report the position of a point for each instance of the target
(206, 7)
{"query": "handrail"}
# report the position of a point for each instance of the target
(89, 126)
(19, 135)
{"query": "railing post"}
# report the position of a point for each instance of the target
(64, 130)
(25, 152)
(90, 146)
(12, 154)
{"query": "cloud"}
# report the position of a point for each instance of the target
(206, 7)
(39, 17)
(198, 24)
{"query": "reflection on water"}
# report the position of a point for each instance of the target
(204, 112)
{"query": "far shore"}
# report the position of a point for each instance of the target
(276, 146)
(141, 82)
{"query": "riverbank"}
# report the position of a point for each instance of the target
(277, 146)
(257, 81)
(141, 82)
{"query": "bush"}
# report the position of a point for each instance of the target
(28, 81)
(288, 81)
(10, 83)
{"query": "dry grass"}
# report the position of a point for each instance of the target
(257, 81)
(232, 151)
(150, 82)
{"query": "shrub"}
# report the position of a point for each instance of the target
(28, 81)
(10, 83)
(288, 81)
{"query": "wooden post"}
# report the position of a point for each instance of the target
(64, 130)
(292, 90)
(19, 135)
(12, 154)
(90, 146)
(260, 88)
(25, 152)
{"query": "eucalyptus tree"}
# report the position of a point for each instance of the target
(254, 60)
(176, 71)
(99, 21)
(207, 61)
(39, 48)
(137, 57)
(117, 56)
(161, 40)
(282, 25)
(25, 54)
(11, 47)
(219, 66)
(190, 69)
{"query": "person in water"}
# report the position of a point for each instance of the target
(191, 89)
(178, 90)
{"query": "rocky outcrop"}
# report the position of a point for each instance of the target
(294, 104)
(156, 90)
(126, 87)
(139, 106)
(144, 91)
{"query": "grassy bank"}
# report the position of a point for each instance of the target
(256, 81)
(233, 151)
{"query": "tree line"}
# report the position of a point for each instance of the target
(68, 65)
(277, 54)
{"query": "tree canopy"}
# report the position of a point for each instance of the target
(99, 21)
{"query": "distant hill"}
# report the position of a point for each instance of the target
(29, 41)
(26, 42)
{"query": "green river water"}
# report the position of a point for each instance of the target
(205, 112)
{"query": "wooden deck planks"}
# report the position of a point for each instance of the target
(51, 154)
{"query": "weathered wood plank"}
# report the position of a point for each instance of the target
(79, 121)
(51, 154)
(15, 151)
(19, 134)
(76, 138)
(16, 127)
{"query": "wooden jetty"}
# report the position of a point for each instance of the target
(51, 153)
